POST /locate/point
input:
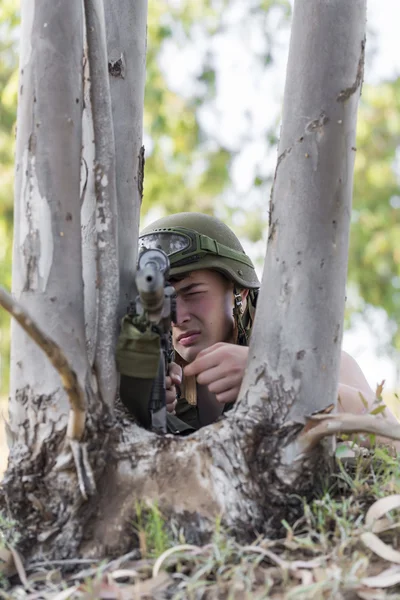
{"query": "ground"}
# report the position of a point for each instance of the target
(326, 554)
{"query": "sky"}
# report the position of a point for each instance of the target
(242, 113)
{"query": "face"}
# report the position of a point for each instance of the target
(204, 313)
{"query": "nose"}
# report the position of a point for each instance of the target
(182, 312)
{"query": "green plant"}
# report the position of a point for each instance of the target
(151, 529)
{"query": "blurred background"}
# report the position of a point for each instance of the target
(215, 82)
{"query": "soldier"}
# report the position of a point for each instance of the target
(216, 288)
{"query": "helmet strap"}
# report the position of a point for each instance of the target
(239, 331)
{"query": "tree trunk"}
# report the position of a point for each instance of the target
(126, 22)
(249, 466)
(47, 225)
(295, 352)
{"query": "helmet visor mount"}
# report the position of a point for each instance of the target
(184, 246)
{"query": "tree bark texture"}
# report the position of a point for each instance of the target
(106, 203)
(295, 349)
(47, 261)
(250, 467)
(126, 42)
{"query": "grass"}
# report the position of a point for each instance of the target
(322, 556)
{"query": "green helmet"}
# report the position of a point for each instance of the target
(196, 241)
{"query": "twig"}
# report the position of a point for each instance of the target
(76, 397)
(87, 484)
(114, 564)
(346, 423)
(62, 563)
(174, 550)
(106, 201)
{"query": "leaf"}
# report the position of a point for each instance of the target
(363, 400)
(65, 594)
(164, 555)
(367, 594)
(343, 451)
(379, 389)
(19, 567)
(380, 508)
(378, 410)
(371, 541)
(385, 579)
(7, 566)
(147, 588)
(124, 573)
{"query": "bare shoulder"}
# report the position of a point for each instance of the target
(351, 374)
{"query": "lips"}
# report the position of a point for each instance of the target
(188, 338)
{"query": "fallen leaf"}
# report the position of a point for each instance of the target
(146, 588)
(124, 573)
(65, 594)
(164, 555)
(385, 579)
(7, 566)
(381, 507)
(369, 594)
(383, 550)
(19, 567)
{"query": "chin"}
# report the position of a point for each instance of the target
(188, 354)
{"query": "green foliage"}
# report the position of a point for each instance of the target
(9, 20)
(374, 259)
(189, 167)
(8, 531)
(151, 530)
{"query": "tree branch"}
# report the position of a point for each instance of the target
(106, 202)
(345, 423)
(76, 397)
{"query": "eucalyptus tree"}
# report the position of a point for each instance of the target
(76, 465)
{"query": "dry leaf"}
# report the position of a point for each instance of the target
(368, 594)
(19, 567)
(384, 525)
(164, 555)
(379, 389)
(305, 576)
(124, 573)
(385, 579)
(381, 507)
(7, 566)
(383, 550)
(65, 594)
(147, 588)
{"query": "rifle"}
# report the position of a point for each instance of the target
(145, 348)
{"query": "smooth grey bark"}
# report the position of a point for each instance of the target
(254, 466)
(126, 42)
(47, 262)
(88, 216)
(295, 349)
(106, 203)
